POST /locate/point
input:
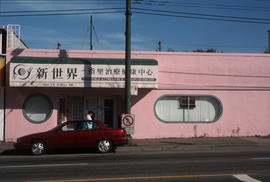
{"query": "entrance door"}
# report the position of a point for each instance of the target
(109, 112)
(91, 104)
(103, 108)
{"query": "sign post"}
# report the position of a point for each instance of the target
(128, 122)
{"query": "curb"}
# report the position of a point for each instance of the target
(183, 145)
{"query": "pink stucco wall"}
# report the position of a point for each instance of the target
(240, 81)
(245, 113)
(15, 123)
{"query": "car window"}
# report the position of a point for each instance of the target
(68, 127)
(96, 126)
(87, 125)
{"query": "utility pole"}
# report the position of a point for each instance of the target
(91, 33)
(128, 57)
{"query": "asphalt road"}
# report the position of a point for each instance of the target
(137, 167)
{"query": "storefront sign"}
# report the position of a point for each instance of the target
(81, 75)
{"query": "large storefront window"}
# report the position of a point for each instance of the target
(37, 108)
(188, 109)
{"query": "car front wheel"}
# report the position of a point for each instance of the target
(38, 147)
(104, 146)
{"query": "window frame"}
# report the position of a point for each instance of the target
(217, 117)
(25, 113)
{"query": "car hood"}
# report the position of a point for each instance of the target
(30, 136)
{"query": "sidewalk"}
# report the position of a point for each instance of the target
(221, 144)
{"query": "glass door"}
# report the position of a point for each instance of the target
(104, 109)
(91, 104)
(109, 112)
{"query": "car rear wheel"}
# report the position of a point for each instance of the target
(38, 147)
(104, 146)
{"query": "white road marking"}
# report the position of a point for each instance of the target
(45, 165)
(261, 158)
(245, 178)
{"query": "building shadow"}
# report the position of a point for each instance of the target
(17, 52)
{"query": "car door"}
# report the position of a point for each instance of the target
(65, 136)
(88, 136)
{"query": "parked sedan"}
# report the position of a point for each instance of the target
(74, 134)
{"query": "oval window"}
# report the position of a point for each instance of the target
(188, 108)
(37, 108)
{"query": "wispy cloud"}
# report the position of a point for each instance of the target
(115, 36)
(117, 40)
(77, 8)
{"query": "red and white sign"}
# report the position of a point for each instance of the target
(128, 122)
(134, 90)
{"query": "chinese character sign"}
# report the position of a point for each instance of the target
(81, 75)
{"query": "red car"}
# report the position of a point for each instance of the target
(74, 134)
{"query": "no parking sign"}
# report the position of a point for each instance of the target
(128, 122)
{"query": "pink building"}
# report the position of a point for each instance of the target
(179, 94)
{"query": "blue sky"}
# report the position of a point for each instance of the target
(181, 25)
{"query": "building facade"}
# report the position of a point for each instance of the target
(9, 38)
(175, 94)
(2, 95)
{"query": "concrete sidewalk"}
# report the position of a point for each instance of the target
(220, 144)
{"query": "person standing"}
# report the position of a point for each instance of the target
(90, 115)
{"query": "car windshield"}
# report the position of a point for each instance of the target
(55, 128)
(72, 126)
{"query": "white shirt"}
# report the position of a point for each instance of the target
(88, 117)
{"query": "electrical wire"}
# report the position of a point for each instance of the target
(62, 14)
(58, 1)
(63, 2)
(200, 14)
(200, 17)
(136, 9)
(202, 5)
(143, 9)
(85, 36)
(139, 11)
(143, 2)
(61, 10)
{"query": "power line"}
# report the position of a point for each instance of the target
(63, 2)
(200, 14)
(61, 14)
(201, 5)
(140, 11)
(200, 17)
(142, 2)
(61, 10)
(58, 1)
